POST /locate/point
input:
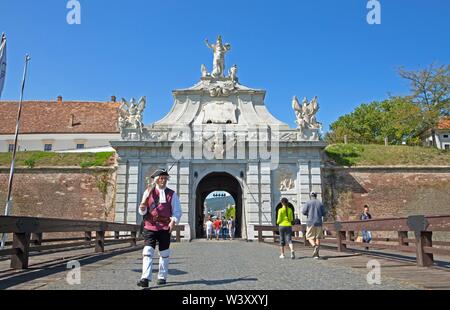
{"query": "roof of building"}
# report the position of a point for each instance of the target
(60, 117)
(444, 123)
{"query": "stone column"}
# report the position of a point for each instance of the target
(251, 204)
(310, 178)
(266, 194)
(121, 191)
(188, 218)
(133, 191)
(127, 199)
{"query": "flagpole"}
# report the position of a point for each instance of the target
(11, 172)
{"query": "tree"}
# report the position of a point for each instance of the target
(430, 92)
(396, 118)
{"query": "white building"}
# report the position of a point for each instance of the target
(220, 136)
(441, 134)
(60, 126)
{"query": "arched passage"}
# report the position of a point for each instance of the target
(217, 181)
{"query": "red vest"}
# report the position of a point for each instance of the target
(158, 217)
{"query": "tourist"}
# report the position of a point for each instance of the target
(314, 211)
(366, 216)
(161, 210)
(231, 227)
(209, 229)
(224, 228)
(217, 225)
(285, 219)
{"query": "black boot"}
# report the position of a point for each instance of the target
(161, 282)
(143, 283)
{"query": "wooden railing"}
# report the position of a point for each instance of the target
(342, 235)
(275, 236)
(28, 236)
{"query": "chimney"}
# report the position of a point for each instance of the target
(113, 98)
(72, 117)
(59, 98)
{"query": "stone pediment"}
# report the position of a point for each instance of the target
(221, 100)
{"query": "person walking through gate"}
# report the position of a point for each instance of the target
(231, 227)
(217, 224)
(315, 212)
(285, 219)
(209, 229)
(224, 228)
(161, 209)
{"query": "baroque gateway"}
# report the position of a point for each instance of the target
(219, 136)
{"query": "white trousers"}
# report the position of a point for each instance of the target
(147, 263)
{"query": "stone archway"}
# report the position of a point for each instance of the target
(217, 181)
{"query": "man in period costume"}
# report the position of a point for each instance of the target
(161, 210)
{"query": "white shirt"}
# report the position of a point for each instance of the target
(209, 225)
(176, 206)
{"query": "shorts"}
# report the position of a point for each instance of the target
(314, 232)
(285, 235)
(161, 236)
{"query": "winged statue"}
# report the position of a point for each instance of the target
(306, 113)
(130, 113)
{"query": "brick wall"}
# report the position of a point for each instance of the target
(390, 192)
(69, 193)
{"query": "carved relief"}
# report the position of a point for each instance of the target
(287, 178)
(219, 112)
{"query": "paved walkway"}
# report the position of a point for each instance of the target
(220, 265)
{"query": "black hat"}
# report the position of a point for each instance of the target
(159, 173)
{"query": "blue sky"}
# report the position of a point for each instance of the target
(292, 47)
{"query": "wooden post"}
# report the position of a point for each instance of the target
(21, 243)
(351, 236)
(88, 237)
(36, 238)
(178, 234)
(133, 238)
(402, 235)
(117, 235)
(100, 242)
(424, 239)
(341, 236)
(386, 141)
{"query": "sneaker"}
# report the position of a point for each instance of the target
(161, 282)
(292, 255)
(282, 256)
(143, 283)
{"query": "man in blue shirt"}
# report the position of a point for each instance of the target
(314, 211)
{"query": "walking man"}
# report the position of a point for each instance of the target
(315, 212)
(161, 209)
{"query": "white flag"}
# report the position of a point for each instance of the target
(2, 63)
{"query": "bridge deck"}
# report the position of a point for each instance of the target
(223, 265)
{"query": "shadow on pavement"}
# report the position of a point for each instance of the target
(34, 273)
(206, 282)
